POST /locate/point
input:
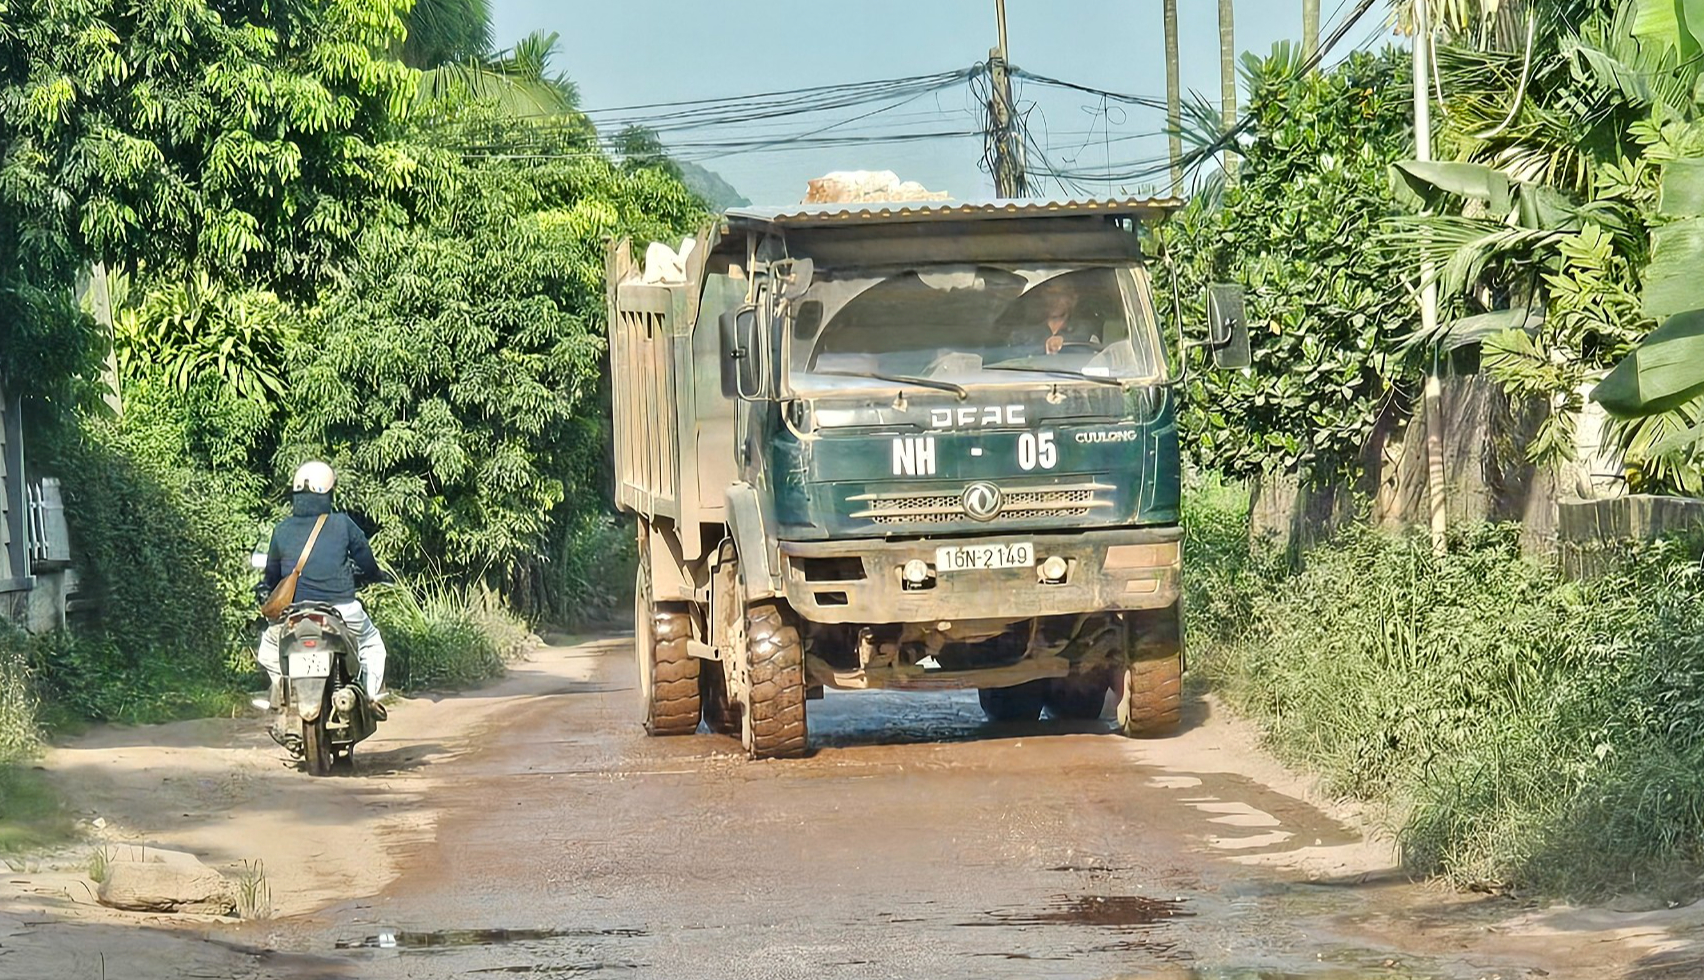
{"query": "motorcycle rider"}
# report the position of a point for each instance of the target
(340, 555)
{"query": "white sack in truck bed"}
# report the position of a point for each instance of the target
(664, 264)
(857, 186)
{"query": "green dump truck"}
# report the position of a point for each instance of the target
(918, 446)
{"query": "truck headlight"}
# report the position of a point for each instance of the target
(916, 571)
(1054, 569)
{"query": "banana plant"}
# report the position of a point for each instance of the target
(1665, 371)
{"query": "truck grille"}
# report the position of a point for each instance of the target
(1075, 500)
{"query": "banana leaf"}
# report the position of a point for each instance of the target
(1670, 23)
(1665, 371)
(1474, 329)
(1426, 179)
(1674, 281)
(1682, 192)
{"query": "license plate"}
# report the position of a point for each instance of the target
(310, 663)
(1016, 554)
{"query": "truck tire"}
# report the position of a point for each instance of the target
(1080, 697)
(668, 675)
(772, 719)
(1151, 705)
(1009, 704)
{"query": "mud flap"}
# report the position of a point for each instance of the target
(754, 542)
(308, 696)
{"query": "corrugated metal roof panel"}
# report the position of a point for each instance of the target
(883, 211)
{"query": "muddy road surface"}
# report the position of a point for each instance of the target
(915, 841)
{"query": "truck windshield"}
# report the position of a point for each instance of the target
(973, 324)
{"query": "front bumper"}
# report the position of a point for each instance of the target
(860, 580)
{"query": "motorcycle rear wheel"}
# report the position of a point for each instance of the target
(316, 744)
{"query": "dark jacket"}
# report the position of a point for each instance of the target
(340, 554)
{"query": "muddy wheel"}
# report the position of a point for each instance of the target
(772, 717)
(1152, 702)
(1008, 704)
(316, 745)
(1080, 697)
(721, 714)
(668, 675)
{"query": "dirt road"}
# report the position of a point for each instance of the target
(531, 829)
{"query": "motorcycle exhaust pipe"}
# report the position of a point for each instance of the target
(343, 700)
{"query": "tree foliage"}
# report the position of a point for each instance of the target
(456, 381)
(189, 330)
(1321, 313)
(251, 141)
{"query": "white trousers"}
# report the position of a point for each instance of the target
(369, 644)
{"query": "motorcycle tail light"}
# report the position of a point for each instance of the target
(310, 643)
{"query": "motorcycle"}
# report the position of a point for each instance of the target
(322, 707)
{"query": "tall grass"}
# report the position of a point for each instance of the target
(440, 635)
(1526, 731)
(19, 732)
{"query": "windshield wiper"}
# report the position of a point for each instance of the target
(1058, 373)
(902, 379)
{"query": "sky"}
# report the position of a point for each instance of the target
(630, 52)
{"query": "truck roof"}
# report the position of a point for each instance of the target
(887, 212)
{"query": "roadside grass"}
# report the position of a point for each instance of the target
(83, 678)
(254, 894)
(1524, 731)
(440, 635)
(30, 812)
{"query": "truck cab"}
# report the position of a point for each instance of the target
(917, 446)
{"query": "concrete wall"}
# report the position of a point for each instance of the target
(1487, 476)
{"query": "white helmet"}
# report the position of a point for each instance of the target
(313, 477)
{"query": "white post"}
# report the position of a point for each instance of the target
(1429, 283)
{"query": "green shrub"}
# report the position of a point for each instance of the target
(162, 547)
(441, 636)
(1526, 730)
(594, 577)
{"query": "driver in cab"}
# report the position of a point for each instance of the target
(1059, 328)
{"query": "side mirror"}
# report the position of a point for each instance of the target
(797, 279)
(1227, 327)
(742, 353)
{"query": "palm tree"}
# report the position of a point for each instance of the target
(1174, 99)
(1228, 78)
(443, 32)
(517, 82)
(450, 41)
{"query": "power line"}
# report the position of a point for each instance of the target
(813, 89)
(1197, 156)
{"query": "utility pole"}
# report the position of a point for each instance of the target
(1310, 29)
(1434, 396)
(1228, 79)
(1174, 99)
(1008, 151)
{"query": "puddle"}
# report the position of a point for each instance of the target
(460, 938)
(1114, 911)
